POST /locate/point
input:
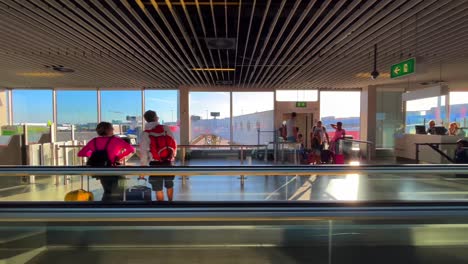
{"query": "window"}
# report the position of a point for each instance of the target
(253, 108)
(421, 111)
(459, 109)
(78, 108)
(123, 109)
(341, 106)
(32, 107)
(210, 117)
(296, 95)
(166, 105)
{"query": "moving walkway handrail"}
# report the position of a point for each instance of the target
(229, 211)
(416, 169)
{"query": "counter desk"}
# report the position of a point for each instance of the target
(405, 147)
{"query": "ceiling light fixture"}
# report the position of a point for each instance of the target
(213, 69)
(40, 74)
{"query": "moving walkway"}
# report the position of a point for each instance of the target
(238, 232)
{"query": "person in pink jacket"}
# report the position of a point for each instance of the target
(117, 149)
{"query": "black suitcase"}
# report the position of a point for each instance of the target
(138, 193)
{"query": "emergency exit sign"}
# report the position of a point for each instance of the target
(301, 104)
(403, 68)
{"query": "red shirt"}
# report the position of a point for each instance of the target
(116, 150)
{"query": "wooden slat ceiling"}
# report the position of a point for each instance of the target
(275, 43)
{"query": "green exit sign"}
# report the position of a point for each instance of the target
(403, 68)
(301, 104)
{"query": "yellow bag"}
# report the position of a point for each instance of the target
(79, 196)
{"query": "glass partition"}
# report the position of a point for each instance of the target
(341, 106)
(123, 109)
(210, 118)
(252, 112)
(389, 117)
(459, 109)
(235, 182)
(78, 108)
(166, 105)
(421, 111)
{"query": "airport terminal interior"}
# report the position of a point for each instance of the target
(234, 131)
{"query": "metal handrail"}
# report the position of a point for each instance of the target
(236, 170)
(357, 141)
(226, 211)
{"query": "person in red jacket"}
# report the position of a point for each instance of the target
(117, 149)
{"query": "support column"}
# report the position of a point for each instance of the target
(184, 116)
(368, 116)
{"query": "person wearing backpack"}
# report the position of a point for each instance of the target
(106, 150)
(158, 149)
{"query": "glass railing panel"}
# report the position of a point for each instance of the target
(387, 234)
(246, 183)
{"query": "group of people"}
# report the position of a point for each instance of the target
(156, 149)
(454, 129)
(318, 137)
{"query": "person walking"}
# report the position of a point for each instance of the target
(339, 135)
(158, 149)
(106, 150)
(291, 132)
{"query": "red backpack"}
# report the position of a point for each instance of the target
(162, 146)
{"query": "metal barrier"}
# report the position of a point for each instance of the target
(436, 148)
(367, 143)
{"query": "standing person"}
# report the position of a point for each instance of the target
(158, 149)
(291, 132)
(319, 137)
(106, 150)
(339, 134)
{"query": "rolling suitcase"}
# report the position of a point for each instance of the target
(339, 159)
(138, 193)
(80, 195)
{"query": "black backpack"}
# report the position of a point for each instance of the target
(100, 158)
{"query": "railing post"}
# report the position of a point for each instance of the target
(417, 153)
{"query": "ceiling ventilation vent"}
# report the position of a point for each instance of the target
(223, 82)
(60, 68)
(221, 43)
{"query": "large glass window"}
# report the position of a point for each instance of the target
(78, 108)
(123, 109)
(252, 111)
(389, 117)
(32, 106)
(296, 95)
(166, 105)
(421, 111)
(341, 106)
(459, 109)
(210, 117)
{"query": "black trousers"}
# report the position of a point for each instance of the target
(113, 188)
